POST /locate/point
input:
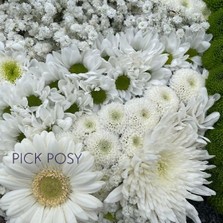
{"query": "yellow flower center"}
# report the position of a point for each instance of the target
(10, 70)
(51, 188)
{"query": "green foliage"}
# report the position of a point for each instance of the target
(216, 23)
(214, 82)
(215, 147)
(214, 5)
(213, 57)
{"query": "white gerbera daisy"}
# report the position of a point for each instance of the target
(186, 83)
(113, 117)
(105, 147)
(164, 97)
(168, 171)
(48, 189)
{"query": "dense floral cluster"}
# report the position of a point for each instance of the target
(43, 26)
(115, 105)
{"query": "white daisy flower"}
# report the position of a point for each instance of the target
(13, 63)
(142, 113)
(75, 63)
(187, 83)
(167, 172)
(176, 50)
(113, 117)
(105, 147)
(50, 189)
(164, 97)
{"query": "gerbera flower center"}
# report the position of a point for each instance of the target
(10, 70)
(116, 115)
(78, 68)
(51, 188)
(122, 83)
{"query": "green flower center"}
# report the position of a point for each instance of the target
(54, 84)
(20, 137)
(165, 97)
(99, 96)
(136, 141)
(89, 124)
(10, 70)
(104, 146)
(170, 58)
(106, 58)
(73, 108)
(122, 82)
(7, 110)
(191, 82)
(192, 53)
(116, 115)
(185, 3)
(33, 101)
(51, 188)
(145, 113)
(78, 69)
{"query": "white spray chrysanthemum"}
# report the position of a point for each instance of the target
(142, 113)
(51, 190)
(132, 140)
(113, 117)
(186, 83)
(105, 147)
(86, 125)
(164, 97)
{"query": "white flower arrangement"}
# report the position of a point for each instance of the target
(110, 128)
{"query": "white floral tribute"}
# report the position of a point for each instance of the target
(124, 118)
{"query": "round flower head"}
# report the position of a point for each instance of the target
(113, 117)
(53, 188)
(142, 113)
(164, 97)
(132, 140)
(105, 147)
(86, 125)
(186, 83)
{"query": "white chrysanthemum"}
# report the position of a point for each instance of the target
(13, 63)
(142, 113)
(168, 171)
(85, 125)
(113, 117)
(187, 83)
(105, 147)
(164, 97)
(132, 140)
(51, 190)
(197, 108)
